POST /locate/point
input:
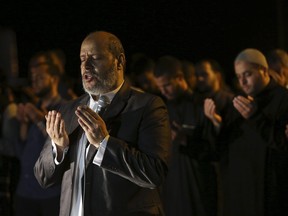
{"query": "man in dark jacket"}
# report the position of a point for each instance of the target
(129, 144)
(191, 197)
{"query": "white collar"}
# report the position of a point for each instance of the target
(110, 96)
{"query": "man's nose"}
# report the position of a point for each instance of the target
(242, 80)
(87, 64)
(200, 78)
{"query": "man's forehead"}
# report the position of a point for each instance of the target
(40, 68)
(242, 64)
(163, 78)
(41, 60)
(203, 67)
(93, 48)
(39, 64)
(243, 67)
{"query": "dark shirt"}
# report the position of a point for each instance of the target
(254, 157)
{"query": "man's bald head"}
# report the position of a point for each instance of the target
(112, 42)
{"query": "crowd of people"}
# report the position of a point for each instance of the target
(167, 136)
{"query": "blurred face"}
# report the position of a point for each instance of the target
(42, 81)
(98, 67)
(39, 60)
(192, 80)
(169, 87)
(206, 77)
(251, 79)
(279, 77)
(59, 64)
(147, 81)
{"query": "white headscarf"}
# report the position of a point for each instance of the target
(252, 56)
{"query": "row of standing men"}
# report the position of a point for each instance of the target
(229, 153)
(229, 146)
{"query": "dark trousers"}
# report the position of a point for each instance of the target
(36, 207)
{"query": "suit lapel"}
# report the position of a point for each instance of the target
(118, 103)
(90, 155)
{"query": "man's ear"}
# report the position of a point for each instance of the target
(265, 71)
(121, 62)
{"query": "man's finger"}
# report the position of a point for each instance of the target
(56, 125)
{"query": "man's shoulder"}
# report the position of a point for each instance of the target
(141, 98)
(142, 95)
(279, 93)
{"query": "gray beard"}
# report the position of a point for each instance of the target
(107, 83)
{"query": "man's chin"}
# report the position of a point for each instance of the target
(93, 90)
(246, 91)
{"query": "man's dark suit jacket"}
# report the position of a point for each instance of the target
(135, 161)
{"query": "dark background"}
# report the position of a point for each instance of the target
(186, 29)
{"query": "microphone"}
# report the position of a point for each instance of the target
(103, 102)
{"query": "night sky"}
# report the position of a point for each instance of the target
(186, 29)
